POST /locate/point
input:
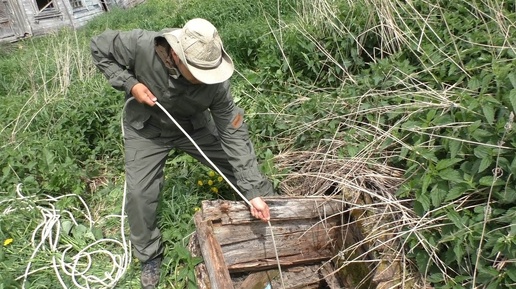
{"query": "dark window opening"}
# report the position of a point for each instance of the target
(45, 4)
(76, 4)
(104, 5)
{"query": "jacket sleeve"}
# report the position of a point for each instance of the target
(234, 135)
(114, 54)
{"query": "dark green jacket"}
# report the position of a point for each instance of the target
(127, 58)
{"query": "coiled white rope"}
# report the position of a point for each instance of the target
(46, 239)
(227, 180)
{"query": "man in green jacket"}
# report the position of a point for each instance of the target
(187, 71)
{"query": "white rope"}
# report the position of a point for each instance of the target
(49, 232)
(227, 181)
(46, 240)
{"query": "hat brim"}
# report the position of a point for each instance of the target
(218, 74)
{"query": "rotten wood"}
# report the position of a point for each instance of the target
(302, 277)
(231, 212)
(328, 274)
(296, 243)
(305, 231)
(259, 280)
(287, 261)
(201, 274)
(213, 258)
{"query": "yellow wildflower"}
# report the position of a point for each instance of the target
(220, 179)
(210, 182)
(200, 183)
(211, 173)
(215, 190)
(197, 209)
(8, 241)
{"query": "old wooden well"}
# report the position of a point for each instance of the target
(239, 252)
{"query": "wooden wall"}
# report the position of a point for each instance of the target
(25, 18)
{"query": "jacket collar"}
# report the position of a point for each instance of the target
(163, 51)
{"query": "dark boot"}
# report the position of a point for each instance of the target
(150, 273)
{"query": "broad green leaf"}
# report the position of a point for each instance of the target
(49, 158)
(451, 175)
(455, 218)
(484, 164)
(480, 134)
(455, 192)
(426, 182)
(437, 195)
(446, 163)
(474, 126)
(411, 124)
(436, 277)
(474, 83)
(431, 114)
(489, 112)
(495, 284)
(422, 260)
(510, 217)
(481, 152)
(488, 181)
(419, 208)
(79, 231)
(512, 97)
(507, 196)
(458, 249)
(89, 235)
(454, 147)
(487, 272)
(66, 227)
(97, 233)
(513, 166)
(429, 155)
(5, 171)
(512, 78)
(511, 273)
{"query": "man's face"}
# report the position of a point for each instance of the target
(184, 71)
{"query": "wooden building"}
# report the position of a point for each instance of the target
(25, 18)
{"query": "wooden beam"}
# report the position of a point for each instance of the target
(259, 280)
(201, 274)
(296, 240)
(285, 262)
(231, 212)
(212, 253)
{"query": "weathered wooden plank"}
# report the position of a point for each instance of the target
(285, 262)
(231, 212)
(201, 274)
(212, 253)
(328, 273)
(302, 277)
(259, 280)
(313, 231)
(245, 243)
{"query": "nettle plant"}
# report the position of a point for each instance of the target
(428, 88)
(459, 151)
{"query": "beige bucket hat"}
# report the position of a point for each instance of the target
(200, 48)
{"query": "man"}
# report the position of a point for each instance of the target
(187, 71)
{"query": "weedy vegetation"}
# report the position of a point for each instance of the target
(409, 103)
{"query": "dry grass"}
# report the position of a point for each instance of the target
(50, 72)
(364, 182)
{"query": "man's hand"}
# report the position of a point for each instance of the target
(260, 209)
(143, 95)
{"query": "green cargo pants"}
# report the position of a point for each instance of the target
(146, 152)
